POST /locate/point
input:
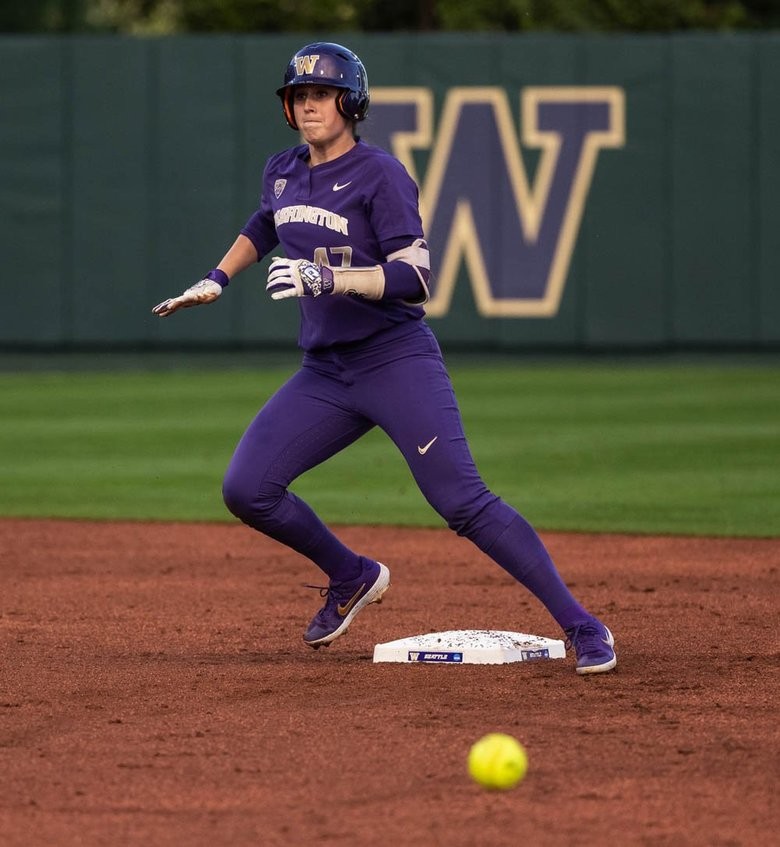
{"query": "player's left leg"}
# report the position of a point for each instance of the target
(412, 399)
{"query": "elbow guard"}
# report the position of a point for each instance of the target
(418, 257)
(371, 282)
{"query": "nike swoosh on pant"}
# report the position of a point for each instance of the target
(423, 450)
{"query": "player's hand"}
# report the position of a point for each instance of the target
(204, 291)
(298, 278)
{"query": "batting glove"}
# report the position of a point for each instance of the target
(298, 278)
(204, 291)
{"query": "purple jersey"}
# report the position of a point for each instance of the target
(350, 212)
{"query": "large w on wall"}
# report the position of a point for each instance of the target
(515, 235)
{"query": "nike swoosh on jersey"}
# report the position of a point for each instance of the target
(337, 187)
(423, 450)
(344, 610)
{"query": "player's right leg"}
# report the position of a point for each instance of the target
(343, 600)
(304, 423)
(301, 425)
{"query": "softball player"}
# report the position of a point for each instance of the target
(346, 217)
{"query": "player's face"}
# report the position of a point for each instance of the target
(317, 117)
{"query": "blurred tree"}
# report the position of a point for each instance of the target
(42, 15)
(170, 16)
(272, 15)
(606, 15)
(138, 17)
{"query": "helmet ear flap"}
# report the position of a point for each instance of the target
(341, 105)
(289, 111)
(352, 105)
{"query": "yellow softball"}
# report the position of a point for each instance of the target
(497, 761)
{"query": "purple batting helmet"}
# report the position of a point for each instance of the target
(326, 63)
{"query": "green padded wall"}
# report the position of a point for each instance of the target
(127, 166)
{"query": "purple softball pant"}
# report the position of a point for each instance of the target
(397, 381)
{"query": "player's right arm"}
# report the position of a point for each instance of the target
(239, 257)
(256, 239)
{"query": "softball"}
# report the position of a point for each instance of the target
(497, 761)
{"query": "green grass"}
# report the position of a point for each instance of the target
(633, 447)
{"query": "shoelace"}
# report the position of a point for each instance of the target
(323, 589)
(328, 592)
(586, 635)
(325, 592)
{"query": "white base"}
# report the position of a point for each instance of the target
(470, 647)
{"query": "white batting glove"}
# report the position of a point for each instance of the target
(204, 291)
(298, 278)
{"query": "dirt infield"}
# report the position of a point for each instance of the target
(155, 690)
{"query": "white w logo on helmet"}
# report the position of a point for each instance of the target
(305, 64)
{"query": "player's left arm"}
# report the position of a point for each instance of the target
(404, 276)
(394, 217)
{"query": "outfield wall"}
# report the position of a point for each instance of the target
(578, 191)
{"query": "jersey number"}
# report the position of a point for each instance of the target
(321, 256)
